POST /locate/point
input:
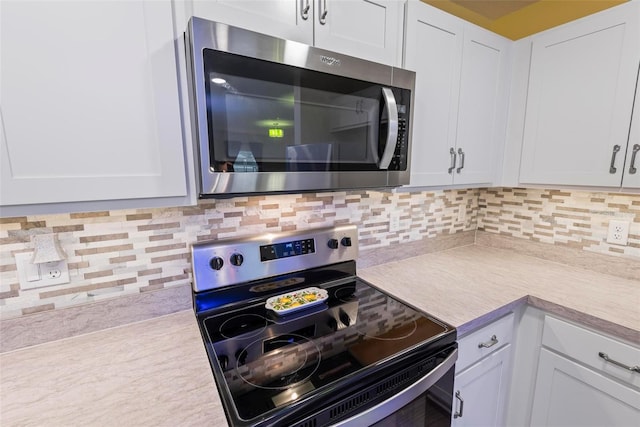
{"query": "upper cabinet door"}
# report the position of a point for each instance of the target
(482, 105)
(581, 88)
(461, 97)
(89, 104)
(631, 177)
(286, 19)
(433, 46)
(368, 29)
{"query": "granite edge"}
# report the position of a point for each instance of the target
(489, 317)
(584, 319)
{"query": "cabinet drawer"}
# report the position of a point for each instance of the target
(479, 344)
(585, 347)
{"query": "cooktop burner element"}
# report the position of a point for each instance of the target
(281, 374)
(243, 324)
(272, 367)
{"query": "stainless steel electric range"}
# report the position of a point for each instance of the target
(295, 338)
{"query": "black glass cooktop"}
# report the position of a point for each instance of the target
(265, 362)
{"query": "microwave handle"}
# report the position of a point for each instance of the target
(392, 135)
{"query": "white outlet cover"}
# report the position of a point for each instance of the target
(618, 233)
(32, 276)
(394, 222)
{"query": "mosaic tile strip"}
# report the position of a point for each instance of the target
(117, 253)
(572, 219)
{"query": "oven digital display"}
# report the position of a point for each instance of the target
(287, 249)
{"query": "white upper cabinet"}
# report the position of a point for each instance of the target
(89, 103)
(581, 88)
(368, 29)
(460, 99)
(287, 19)
(482, 105)
(631, 173)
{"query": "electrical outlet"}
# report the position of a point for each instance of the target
(618, 232)
(462, 214)
(38, 275)
(394, 222)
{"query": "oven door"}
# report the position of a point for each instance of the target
(427, 402)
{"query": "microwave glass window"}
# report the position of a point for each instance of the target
(271, 117)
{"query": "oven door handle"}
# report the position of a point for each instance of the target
(391, 405)
(392, 134)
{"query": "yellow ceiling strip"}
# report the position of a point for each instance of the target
(546, 14)
(530, 19)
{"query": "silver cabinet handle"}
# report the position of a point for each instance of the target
(605, 356)
(612, 168)
(461, 154)
(304, 9)
(452, 152)
(322, 5)
(458, 414)
(632, 166)
(493, 341)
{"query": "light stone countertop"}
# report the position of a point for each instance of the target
(471, 285)
(156, 372)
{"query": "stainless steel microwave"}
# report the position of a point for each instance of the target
(272, 115)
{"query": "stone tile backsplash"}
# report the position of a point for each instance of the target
(573, 219)
(117, 253)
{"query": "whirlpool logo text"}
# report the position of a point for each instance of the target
(329, 60)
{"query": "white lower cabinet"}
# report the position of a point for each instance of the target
(569, 394)
(577, 386)
(483, 375)
(480, 391)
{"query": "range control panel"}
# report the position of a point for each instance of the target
(227, 262)
(287, 249)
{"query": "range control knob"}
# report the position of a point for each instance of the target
(333, 243)
(216, 263)
(346, 241)
(236, 259)
(241, 357)
(344, 318)
(224, 361)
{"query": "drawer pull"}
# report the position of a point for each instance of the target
(490, 343)
(459, 413)
(605, 356)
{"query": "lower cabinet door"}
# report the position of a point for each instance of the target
(480, 391)
(569, 394)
